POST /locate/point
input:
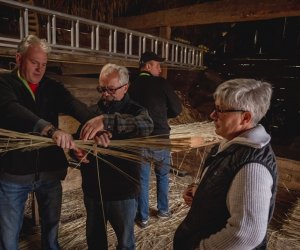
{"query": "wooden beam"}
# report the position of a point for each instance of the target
(213, 12)
(77, 58)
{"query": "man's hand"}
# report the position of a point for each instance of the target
(188, 194)
(92, 127)
(63, 139)
(80, 155)
(103, 138)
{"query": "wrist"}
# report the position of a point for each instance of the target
(49, 131)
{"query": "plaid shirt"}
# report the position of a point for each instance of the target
(124, 119)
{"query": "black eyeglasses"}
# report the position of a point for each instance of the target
(108, 90)
(217, 110)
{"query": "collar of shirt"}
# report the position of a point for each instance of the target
(27, 85)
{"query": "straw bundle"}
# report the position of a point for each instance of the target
(182, 138)
(200, 133)
(11, 140)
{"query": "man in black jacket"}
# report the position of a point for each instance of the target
(30, 103)
(111, 185)
(155, 93)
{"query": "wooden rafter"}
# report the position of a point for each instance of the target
(213, 12)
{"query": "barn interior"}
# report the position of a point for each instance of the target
(235, 39)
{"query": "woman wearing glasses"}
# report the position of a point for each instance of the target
(235, 198)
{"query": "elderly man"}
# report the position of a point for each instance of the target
(111, 186)
(30, 103)
(235, 198)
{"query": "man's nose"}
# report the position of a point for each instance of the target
(39, 67)
(105, 93)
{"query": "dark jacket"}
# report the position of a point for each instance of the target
(209, 213)
(20, 112)
(124, 119)
(158, 97)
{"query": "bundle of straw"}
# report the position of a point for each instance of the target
(180, 140)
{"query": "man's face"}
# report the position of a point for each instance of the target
(153, 67)
(32, 64)
(110, 88)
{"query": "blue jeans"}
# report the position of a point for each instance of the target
(121, 216)
(12, 202)
(161, 162)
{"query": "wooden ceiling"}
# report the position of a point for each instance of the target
(177, 19)
(213, 12)
(206, 23)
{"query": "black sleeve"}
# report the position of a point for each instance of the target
(70, 105)
(14, 115)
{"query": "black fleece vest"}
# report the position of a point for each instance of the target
(209, 213)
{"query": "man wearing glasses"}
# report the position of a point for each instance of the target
(235, 199)
(111, 186)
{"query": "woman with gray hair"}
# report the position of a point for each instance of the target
(234, 201)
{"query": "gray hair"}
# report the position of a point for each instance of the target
(120, 70)
(246, 94)
(31, 40)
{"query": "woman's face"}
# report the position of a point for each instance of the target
(229, 122)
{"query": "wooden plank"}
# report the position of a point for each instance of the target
(75, 58)
(213, 12)
(77, 69)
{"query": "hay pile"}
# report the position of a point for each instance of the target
(284, 232)
(158, 235)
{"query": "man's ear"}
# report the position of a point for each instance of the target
(126, 87)
(18, 58)
(148, 66)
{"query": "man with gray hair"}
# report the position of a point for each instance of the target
(111, 185)
(31, 103)
(235, 198)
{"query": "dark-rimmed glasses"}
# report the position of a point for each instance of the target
(218, 110)
(111, 91)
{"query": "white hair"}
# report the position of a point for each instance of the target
(120, 70)
(31, 40)
(246, 94)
